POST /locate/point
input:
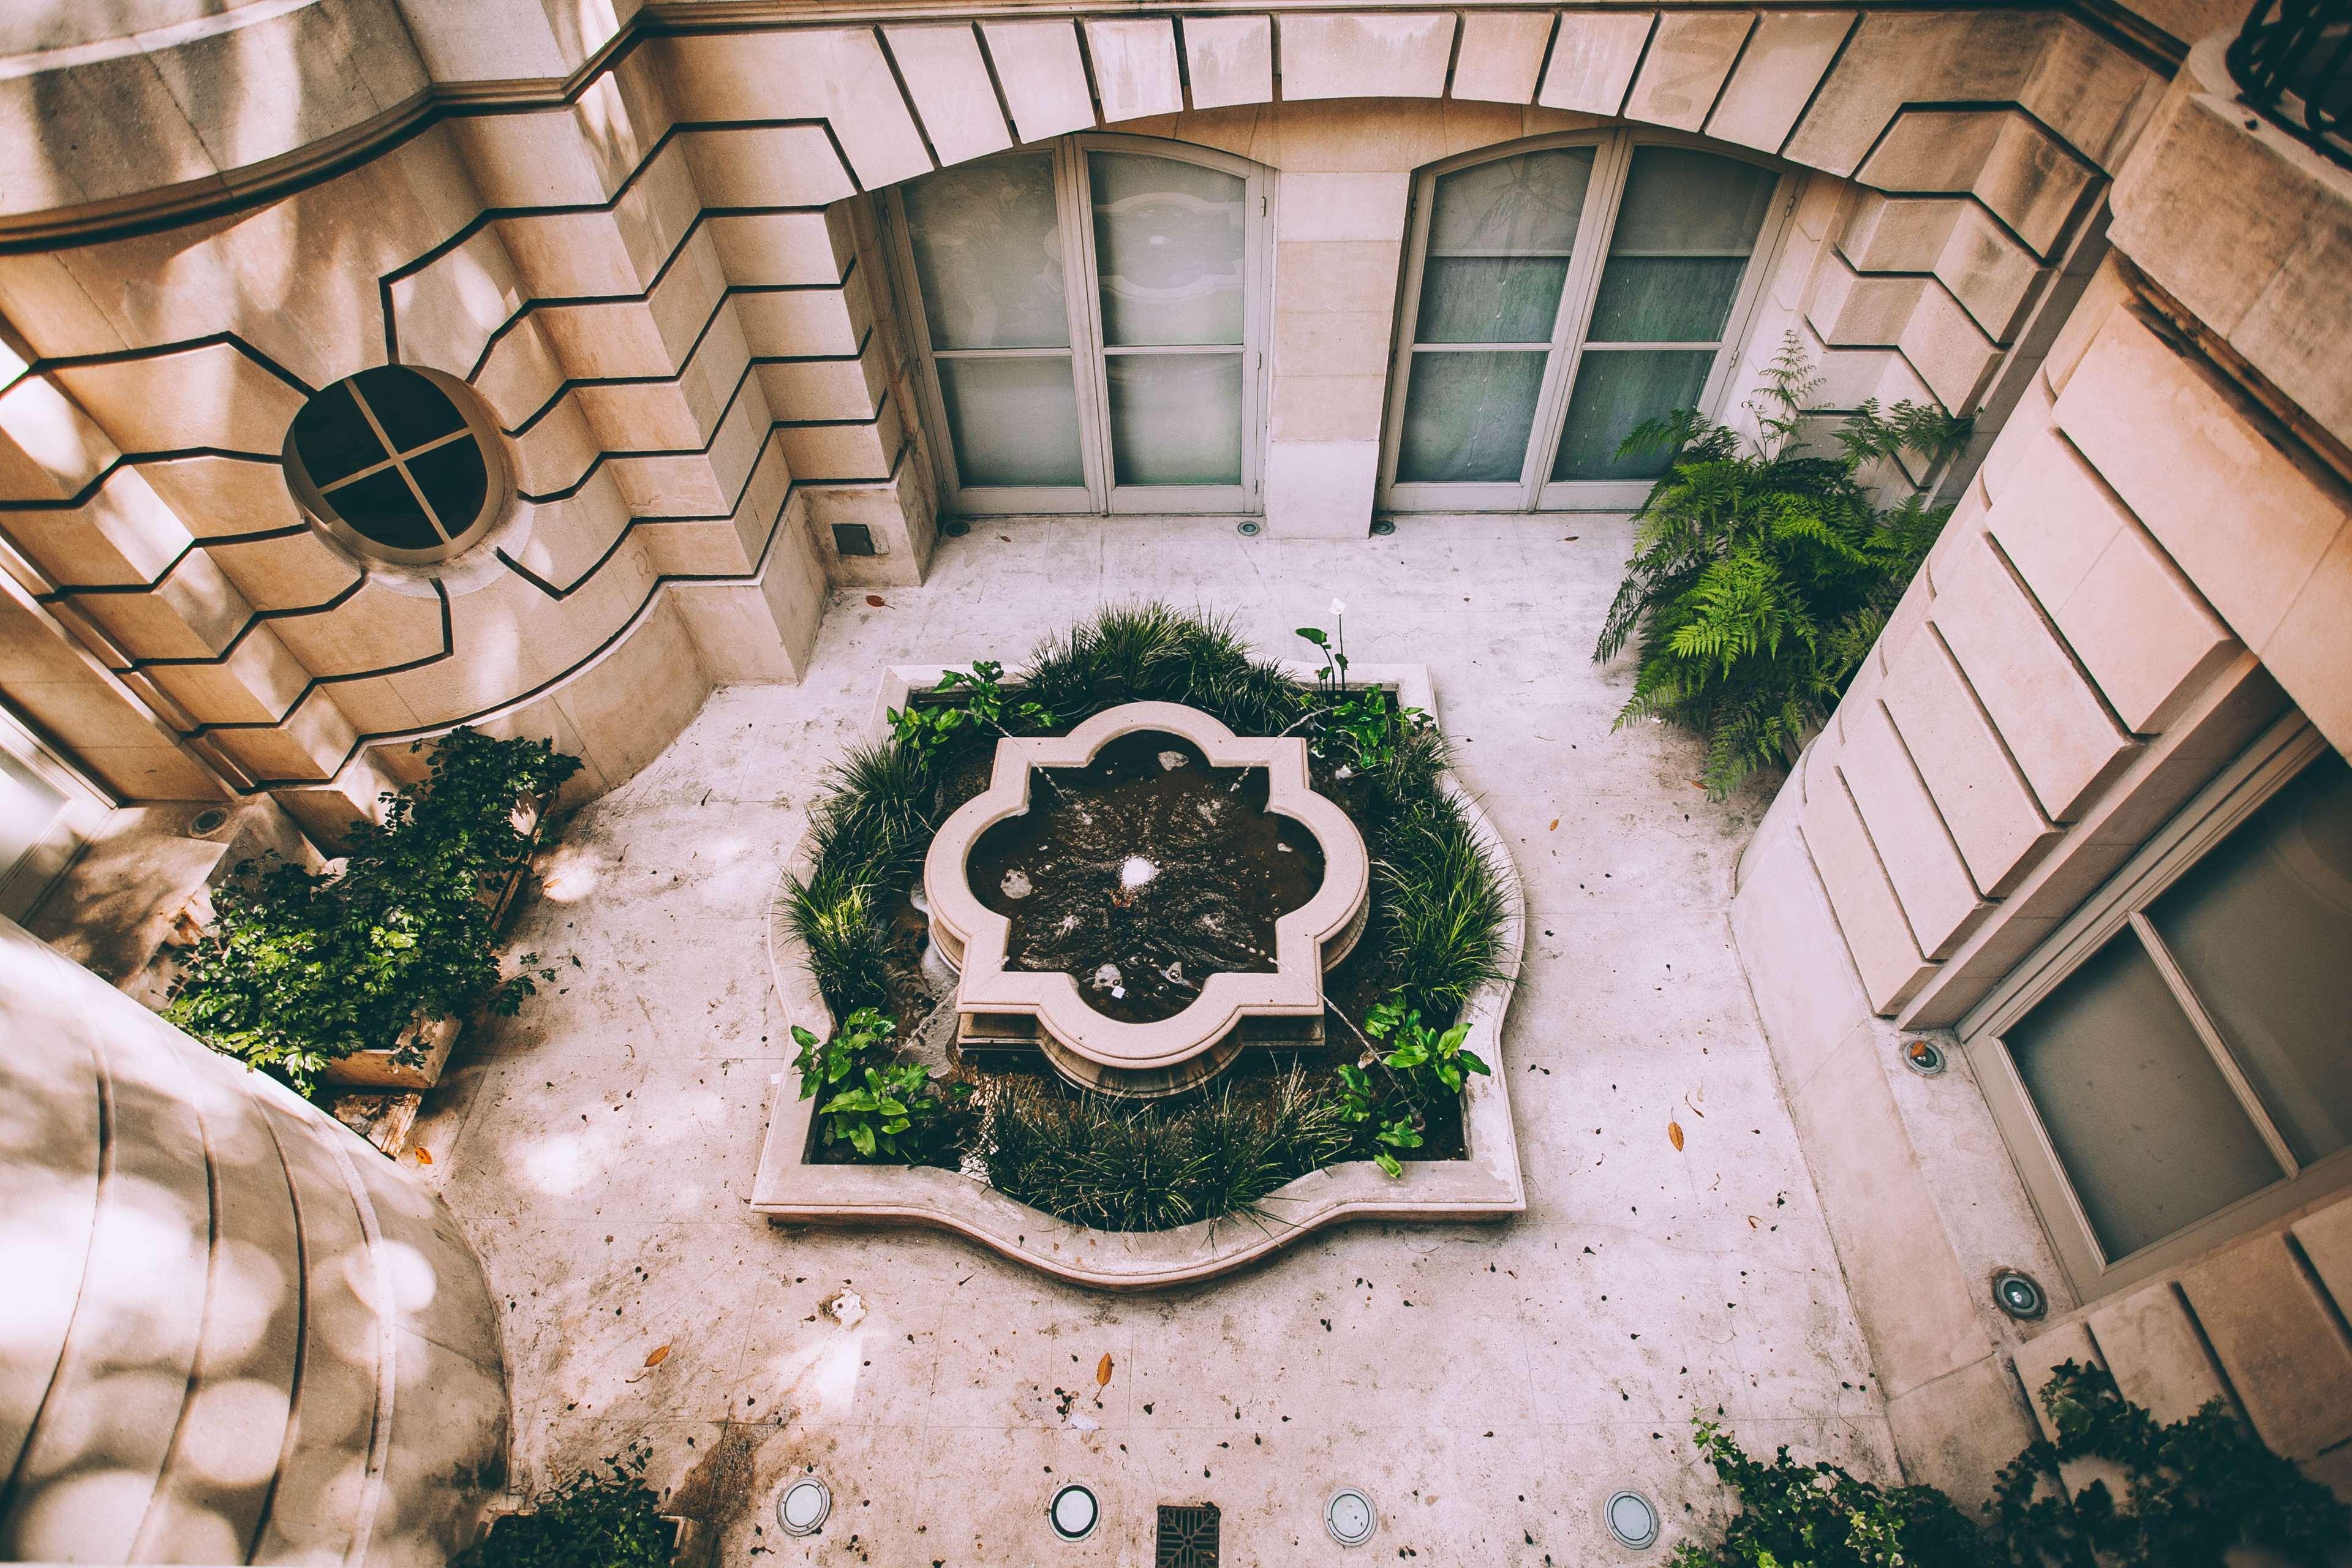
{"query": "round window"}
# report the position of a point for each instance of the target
(401, 464)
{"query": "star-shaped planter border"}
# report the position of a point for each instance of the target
(975, 936)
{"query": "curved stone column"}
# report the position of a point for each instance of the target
(236, 1332)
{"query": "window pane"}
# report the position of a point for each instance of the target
(1666, 299)
(1013, 421)
(988, 256)
(1168, 243)
(1679, 202)
(2150, 1134)
(1467, 415)
(453, 478)
(1176, 419)
(382, 508)
(332, 438)
(1616, 391)
(2262, 927)
(1489, 300)
(411, 409)
(1526, 206)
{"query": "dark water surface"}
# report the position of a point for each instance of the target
(1144, 873)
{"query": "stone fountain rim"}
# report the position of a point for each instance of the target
(1485, 1186)
(1293, 988)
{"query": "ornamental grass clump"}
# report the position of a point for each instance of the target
(301, 968)
(1762, 573)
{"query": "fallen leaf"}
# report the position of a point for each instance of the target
(1674, 1135)
(1751, 1223)
(424, 1156)
(1102, 1370)
(876, 601)
(661, 1354)
(1555, 825)
(1006, 538)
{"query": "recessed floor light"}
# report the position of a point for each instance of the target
(2018, 1295)
(1074, 1512)
(1382, 527)
(1248, 528)
(802, 1508)
(1632, 1521)
(956, 529)
(1350, 1517)
(1925, 1058)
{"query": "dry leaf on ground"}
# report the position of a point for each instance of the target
(1102, 1370)
(661, 1354)
(1674, 1135)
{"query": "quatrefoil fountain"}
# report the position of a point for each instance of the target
(1143, 899)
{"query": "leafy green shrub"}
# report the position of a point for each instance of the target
(1083, 1158)
(608, 1521)
(300, 968)
(1761, 574)
(2193, 1489)
(874, 1104)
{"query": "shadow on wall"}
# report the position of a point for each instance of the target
(235, 1333)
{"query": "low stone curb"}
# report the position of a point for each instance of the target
(1483, 1186)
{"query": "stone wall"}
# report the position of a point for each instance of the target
(235, 1332)
(2152, 566)
(650, 248)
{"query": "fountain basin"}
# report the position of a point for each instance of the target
(1171, 1035)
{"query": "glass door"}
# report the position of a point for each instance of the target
(1140, 390)
(1559, 298)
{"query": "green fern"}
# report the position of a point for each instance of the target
(1762, 573)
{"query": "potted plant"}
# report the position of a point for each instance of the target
(363, 973)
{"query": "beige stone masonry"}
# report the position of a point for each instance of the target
(1135, 68)
(1774, 76)
(1383, 55)
(1043, 77)
(1688, 61)
(1930, 880)
(1229, 59)
(949, 82)
(1592, 59)
(1500, 55)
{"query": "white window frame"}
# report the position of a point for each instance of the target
(82, 807)
(2197, 829)
(1081, 296)
(1535, 489)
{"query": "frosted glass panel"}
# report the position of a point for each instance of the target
(1467, 414)
(2150, 1134)
(2262, 927)
(1666, 299)
(1176, 419)
(1682, 203)
(1489, 300)
(988, 256)
(1529, 204)
(1617, 390)
(1015, 420)
(1168, 243)
(29, 808)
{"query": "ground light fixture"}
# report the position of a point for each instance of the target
(2018, 1295)
(955, 527)
(1248, 528)
(1382, 527)
(1925, 1058)
(801, 1510)
(1633, 1520)
(1074, 1512)
(1350, 1517)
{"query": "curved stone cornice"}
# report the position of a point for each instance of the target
(1292, 989)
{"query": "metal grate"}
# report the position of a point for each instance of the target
(853, 538)
(1188, 1536)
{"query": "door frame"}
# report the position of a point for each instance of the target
(1082, 301)
(1535, 490)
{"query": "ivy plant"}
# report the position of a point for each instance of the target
(607, 1519)
(300, 968)
(1763, 572)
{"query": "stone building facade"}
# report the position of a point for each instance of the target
(680, 279)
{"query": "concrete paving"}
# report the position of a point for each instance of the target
(1489, 1387)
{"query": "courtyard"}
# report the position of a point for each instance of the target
(1487, 1386)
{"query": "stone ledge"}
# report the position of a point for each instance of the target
(1486, 1185)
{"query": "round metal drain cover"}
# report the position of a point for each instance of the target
(1925, 1058)
(2018, 1295)
(207, 822)
(802, 1508)
(1074, 1513)
(1632, 1521)
(1350, 1517)
(955, 529)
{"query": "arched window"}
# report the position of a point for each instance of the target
(400, 464)
(1558, 297)
(1136, 389)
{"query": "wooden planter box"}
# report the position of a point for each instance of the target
(378, 1069)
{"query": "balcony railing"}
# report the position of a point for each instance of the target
(2293, 60)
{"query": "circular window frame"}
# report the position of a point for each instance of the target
(497, 493)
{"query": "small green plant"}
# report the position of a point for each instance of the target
(1357, 730)
(879, 1107)
(300, 968)
(976, 699)
(2193, 1490)
(1762, 573)
(1420, 1055)
(611, 1519)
